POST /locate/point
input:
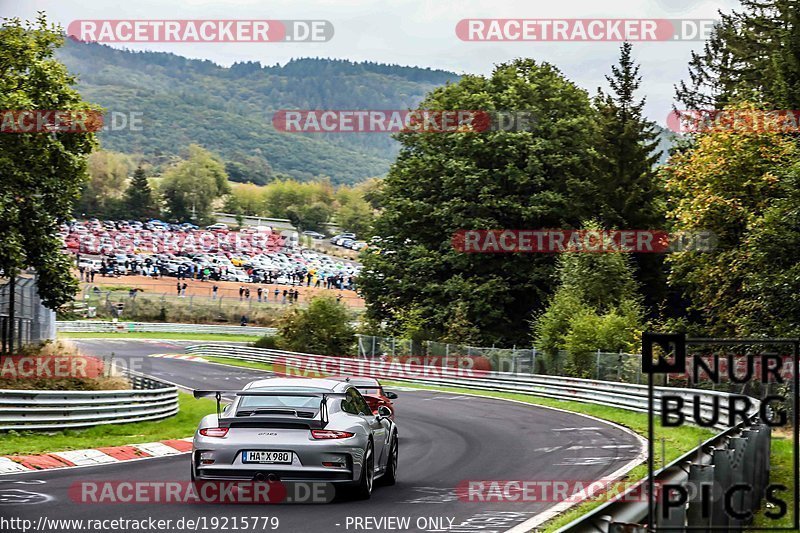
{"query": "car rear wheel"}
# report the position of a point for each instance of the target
(390, 477)
(363, 490)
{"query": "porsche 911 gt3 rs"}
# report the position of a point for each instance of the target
(296, 430)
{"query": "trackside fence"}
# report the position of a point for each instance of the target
(605, 366)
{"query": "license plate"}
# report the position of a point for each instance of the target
(267, 457)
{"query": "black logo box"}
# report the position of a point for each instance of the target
(675, 345)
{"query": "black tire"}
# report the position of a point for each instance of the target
(363, 490)
(390, 476)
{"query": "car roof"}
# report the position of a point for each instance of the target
(358, 381)
(316, 383)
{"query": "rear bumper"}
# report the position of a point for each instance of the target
(310, 475)
(307, 463)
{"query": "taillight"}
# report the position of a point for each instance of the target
(330, 434)
(214, 432)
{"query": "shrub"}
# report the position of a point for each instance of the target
(323, 328)
(270, 342)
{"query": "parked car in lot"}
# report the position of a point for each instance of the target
(236, 275)
(293, 429)
(217, 227)
(314, 234)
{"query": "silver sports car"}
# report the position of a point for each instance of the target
(296, 430)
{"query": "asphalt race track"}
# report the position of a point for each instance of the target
(444, 439)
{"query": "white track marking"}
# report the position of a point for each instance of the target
(86, 457)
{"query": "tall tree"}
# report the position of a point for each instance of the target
(742, 186)
(542, 177)
(139, 200)
(752, 54)
(103, 193)
(190, 187)
(41, 174)
(628, 148)
(596, 306)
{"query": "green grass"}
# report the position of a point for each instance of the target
(781, 464)
(234, 362)
(179, 426)
(159, 335)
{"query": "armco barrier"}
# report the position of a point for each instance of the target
(53, 410)
(99, 326)
(737, 455)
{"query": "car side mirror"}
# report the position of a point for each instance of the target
(391, 395)
(384, 412)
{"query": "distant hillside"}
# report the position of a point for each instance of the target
(229, 110)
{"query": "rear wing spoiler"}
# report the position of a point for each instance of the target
(323, 403)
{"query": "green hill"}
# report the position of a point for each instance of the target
(229, 110)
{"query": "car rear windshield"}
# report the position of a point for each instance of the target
(307, 402)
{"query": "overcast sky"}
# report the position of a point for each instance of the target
(415, 32)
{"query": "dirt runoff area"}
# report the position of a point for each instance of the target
(227, 289)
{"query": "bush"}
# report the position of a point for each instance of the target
(269, 342)
(324, 328)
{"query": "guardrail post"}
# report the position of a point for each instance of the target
(675, 516)
(723, 478)
(738, 445)
(765, 447)
(700, 509)
(752, 469)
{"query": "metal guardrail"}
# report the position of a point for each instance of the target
(740, 455)
(737, 455)
(149, 399)
(98, 326)
(622, 395)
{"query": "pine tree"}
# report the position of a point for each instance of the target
(139, 199)
(628, 150)
(753, 54)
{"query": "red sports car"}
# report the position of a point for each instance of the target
(373, 393)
